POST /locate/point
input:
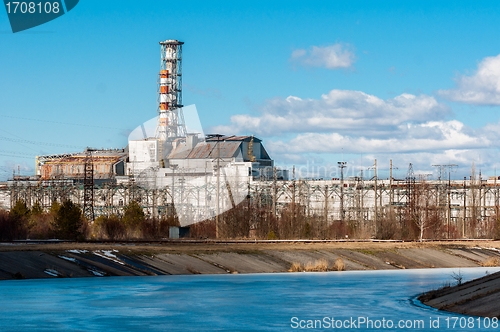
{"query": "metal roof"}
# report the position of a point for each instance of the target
(201, 151)
(232, 138)
(225, 150)
(180, 152)
(96, 155)
(209, 150)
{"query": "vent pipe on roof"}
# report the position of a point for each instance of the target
(191, 141)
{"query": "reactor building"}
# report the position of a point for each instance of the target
(217, 167)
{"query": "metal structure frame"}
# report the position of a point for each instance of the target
(171, 119)
(88, 186)
(473, 203)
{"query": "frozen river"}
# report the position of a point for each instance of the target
(358, 300)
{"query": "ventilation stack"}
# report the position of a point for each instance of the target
(171, 119)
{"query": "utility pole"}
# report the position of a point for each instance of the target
(342, 165)
(410, 183)
(496, 195)
(326, 207)
(293, 202)
(217, 231)
(172, 194)
(275, 190)
(465, 208)
(448, 214)
(391, 179)
(375, 197)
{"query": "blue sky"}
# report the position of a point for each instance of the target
(319, 82)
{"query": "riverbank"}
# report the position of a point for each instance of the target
(50, 260)
(477, 297)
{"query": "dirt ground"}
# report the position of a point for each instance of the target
(210, 246)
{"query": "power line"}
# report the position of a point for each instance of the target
(18, 140)
(59, 122)
(15, 156)
(16, 153)
(11, 134)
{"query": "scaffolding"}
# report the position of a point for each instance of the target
(88, 186)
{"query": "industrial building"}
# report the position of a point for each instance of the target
(170, 158)
(107, 164)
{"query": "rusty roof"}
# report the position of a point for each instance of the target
(81, 159)
(96, 155)
(201, 151)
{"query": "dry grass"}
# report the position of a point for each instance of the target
(490, 262)
(309, 267)
(338, 265)
(296, 267)
(321, 265)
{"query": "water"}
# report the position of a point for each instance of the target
(256, 302)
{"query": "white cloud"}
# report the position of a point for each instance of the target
(443, 135)
(330, 57)
(406, 128)
(341, 111)
(482, 88)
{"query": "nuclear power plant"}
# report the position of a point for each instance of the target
(176, 169)
(217, 167)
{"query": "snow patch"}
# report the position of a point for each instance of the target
(52, 272)
(71, 259)
(77, 251)
(108, 254)
(96, 273)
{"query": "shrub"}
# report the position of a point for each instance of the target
(271, 235)
(150, 228)
(203, 230)
(109, 227)
(68, 221)
(133, 217)
(18, 221)
(6, 226)
(114, 228)
(41, 226)
(338, 265)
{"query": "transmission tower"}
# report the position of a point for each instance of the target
(410, 190)
(445, 200)
(88, 186)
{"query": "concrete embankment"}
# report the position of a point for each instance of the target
(478, 297)
(91, 259)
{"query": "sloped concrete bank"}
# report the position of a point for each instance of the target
(479, 297)
(18, 261)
